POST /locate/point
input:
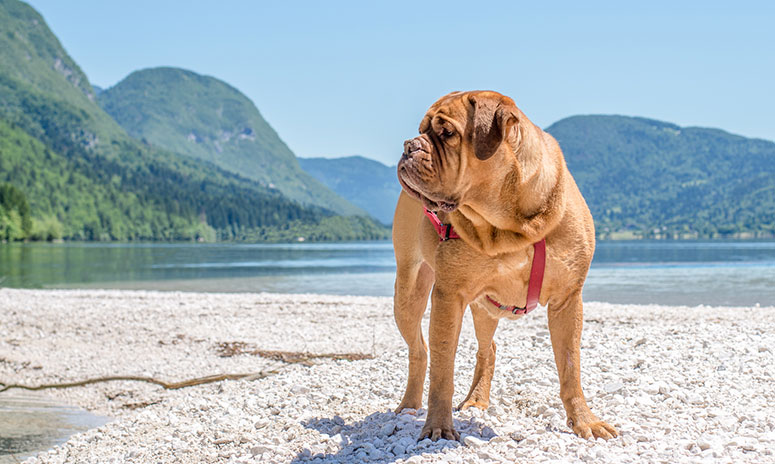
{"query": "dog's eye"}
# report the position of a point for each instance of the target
(446, 133)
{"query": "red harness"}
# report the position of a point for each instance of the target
(537, 269)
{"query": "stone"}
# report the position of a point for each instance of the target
(261, 449)
(368, 447)
(747, 443)
(613, 387)
(473, 441)
(664, 387)
(651, 389)
(299, 390)
(387, 429)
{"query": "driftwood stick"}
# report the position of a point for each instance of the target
(135, 378)
(225, 350)
(229, 349)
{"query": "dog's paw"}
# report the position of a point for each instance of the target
(593, 429)
(434, 433)
(409, 407)
(473, 403)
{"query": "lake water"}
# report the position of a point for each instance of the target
(30, 422)
(728, 273)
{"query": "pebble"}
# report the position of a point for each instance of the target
(667, 397)
(398, 449)
(261, 449)
(747, 443)
(299, 390)
(613, 387)
(473, 441)
(387, 429)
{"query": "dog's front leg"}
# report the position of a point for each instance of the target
(413, 284)
(447, 307)
(565, 322)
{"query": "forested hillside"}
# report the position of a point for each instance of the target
(205, 118)
(82, 177)
(94, 198)
(649, 178)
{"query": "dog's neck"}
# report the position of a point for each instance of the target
(523, 203)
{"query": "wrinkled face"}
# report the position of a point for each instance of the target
(459, 135)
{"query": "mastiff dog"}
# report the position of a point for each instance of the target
(489, 218)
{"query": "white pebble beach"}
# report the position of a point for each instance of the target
(681, 384)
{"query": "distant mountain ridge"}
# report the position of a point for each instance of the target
(206, 118)
(656, 179)
(642, 178)
(365, 182)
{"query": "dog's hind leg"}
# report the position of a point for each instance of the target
(565, 322)
(413, 285)
(484, 326)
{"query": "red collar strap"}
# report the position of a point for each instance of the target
(444, 230)
(534, 285)
(537, 269)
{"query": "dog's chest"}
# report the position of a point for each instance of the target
(503, 277)
(506, 281)
(512, 265)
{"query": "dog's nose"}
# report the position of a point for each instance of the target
(413, 145)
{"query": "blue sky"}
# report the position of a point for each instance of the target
(342, 78)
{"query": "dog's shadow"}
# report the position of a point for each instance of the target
(384, 437)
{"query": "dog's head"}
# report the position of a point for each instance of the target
(461, 140)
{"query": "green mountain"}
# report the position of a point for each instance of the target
(654, 179)
(32, 60)
(641, 178)
(68, 170)
(365, 182)
(207, 119)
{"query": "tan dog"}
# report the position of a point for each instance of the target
(503, 184)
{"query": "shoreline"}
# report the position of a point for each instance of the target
(680, 383)
(620, 236)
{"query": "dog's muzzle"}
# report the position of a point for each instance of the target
(417, 146)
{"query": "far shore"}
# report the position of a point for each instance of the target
(618, 236)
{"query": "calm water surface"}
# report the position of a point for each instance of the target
(688, 272)
(30, 422)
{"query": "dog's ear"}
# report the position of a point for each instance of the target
(493, 119)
